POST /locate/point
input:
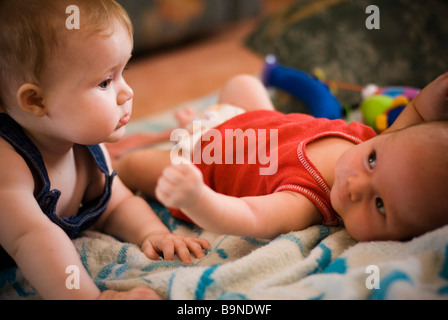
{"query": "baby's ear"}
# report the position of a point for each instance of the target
(30, 99)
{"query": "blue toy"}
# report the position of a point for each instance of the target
(379, 107)
(314, 93)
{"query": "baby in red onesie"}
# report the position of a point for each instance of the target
(320, 171)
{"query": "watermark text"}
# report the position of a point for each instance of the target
(373, 20)
(73, 280)
(373, 280)
(238, 146)
(73, 20)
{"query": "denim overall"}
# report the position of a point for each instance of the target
(47, 199)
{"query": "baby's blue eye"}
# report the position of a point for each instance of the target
(372, 159)
(380, 206)
(105, 84)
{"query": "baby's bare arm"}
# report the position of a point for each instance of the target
(430, 104)
(130, 218)
(41, 249)
(266, 216)
(260, 216)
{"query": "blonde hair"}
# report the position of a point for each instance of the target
(32, 30)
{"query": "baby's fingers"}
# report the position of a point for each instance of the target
(173, 174)
(150, 252)
(189, 246)
(179, 160)
(184, 247)
(183, 252)
(197, 246)
(165, 193)
(168, 248)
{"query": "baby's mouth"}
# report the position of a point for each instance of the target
(124, 120)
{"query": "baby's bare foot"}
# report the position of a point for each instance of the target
(185, 116)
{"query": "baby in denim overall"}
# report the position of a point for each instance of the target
(63, 94)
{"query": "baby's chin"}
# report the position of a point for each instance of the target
(116, 135)
(359, 235)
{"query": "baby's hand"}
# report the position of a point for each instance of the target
(432, 102)
(170, 243)
(139, 293)
(180, 185)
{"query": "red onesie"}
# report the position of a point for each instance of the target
(294, 171)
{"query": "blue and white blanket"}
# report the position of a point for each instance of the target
(317, 263)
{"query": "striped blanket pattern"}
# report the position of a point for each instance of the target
(317, 263)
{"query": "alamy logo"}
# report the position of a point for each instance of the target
(373, 21)
(237, 147)
(73, 20)
(72, 281)
(373, 280)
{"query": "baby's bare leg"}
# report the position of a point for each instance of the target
(246, 92)
(140, 169)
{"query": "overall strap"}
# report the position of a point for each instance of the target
(13, 133)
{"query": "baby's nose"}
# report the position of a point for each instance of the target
(358, 187)
(126, 93)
